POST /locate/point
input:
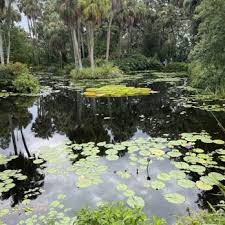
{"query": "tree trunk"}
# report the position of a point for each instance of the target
(9, 22)
(109, 36)
(74, 52)
(24, 143)
(13, 135)
(9, 46)
(120, 43)
(91, 45)
(82, 45)
(1, 48)
(76, 48)
(60, 60)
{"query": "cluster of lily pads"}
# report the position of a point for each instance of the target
(116, 91)
(7, 179)
(4, 160)
(87, 164)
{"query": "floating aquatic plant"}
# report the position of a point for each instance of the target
(116, 91)
(174, 198)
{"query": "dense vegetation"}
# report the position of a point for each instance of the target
(134, 35)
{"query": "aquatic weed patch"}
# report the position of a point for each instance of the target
(116, 91)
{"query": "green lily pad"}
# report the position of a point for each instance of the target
(203, 186)
(112, 157)
(157, 185)
(38, 161)
(220, 151)
(219, 142)
(174, 153)
(121, 187)
(181, 165)
(177, 174)
(135, 202)
(216, 176)
(185, 183)
(164, 176)
(124, 174)
(174, 198)
(129, 193)
(209, 180)
(197, 168)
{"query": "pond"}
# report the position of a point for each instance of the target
(159, 150)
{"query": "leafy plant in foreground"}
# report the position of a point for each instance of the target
(114, 214)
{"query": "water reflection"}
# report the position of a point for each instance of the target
(35, 179)
(82, 120)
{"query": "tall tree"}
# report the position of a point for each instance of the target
(70, 13)
(115, 5)
(32, 10)
(208, 55)
(93, 11)
(2, 18)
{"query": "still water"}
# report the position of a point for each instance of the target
(63, 114)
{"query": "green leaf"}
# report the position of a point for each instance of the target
(174, 198)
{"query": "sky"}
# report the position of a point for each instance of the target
(23, 23)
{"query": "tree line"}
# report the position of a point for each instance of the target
(76, 29)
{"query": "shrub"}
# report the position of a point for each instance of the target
(137, 62)
(16, 78)
(207, 78)
(115, 213)
(176, 67)
(204, 217)
(8, 74)
(105, 71)
(26, 83)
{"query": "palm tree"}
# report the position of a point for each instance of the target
(70, 13)
(115, 5)
(32, 10)
(93, 11)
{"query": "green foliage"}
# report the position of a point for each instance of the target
(9, 72)
(176, 67)
(21, 47)
(204, 217)
(108, 214)
(26, 83)
(208, 55)
(16, 78)
(105, 71)
(137, 62)
(116, 91)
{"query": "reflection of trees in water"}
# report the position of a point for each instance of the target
(14, 116)
(82, 119)
(35, 179)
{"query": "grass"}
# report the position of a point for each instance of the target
(107, 70)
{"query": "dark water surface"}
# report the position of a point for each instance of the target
(63, 114)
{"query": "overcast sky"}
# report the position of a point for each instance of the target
(23, 23)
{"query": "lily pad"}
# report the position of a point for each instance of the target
(112, 157)
(174, 198)
(121, 187)
(157, 185)
(135, 202)
(216, 176)
(203, 186)
(185, 183)
(164, 176)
